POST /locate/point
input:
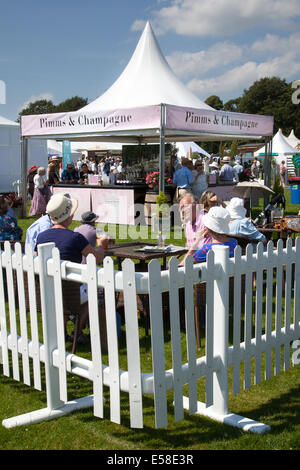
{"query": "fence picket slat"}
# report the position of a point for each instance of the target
(209, 329)
(190, 333)
(269, 300)
(12, 311)
(278, 308)
(112, 340)
(22, 314)
(258, 312)
(237, 321)
(297, 290)
(97, 372)
(176, 338)
(59, 312)
(133, 345)
(3, 323)
(288, 306)
(157, 341)
(248, 317)
(33, 318)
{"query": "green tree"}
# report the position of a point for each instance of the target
(48, 107)
(272, 97)
(71, 104)
(232, 105)
(215, 102)
(38, 107)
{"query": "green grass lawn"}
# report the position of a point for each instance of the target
(275, 402)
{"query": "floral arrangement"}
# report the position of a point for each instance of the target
(14, 200)
(152, 180)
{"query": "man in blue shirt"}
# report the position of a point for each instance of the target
(70, 175)
(227, 172)
(40, 225)
(183, 179)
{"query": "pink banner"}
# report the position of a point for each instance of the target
(86, 122)
(115, 206)
(83, 196)
(218, 122)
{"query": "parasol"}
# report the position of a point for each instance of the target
(249, 189)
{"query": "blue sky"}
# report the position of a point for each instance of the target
(59, 49)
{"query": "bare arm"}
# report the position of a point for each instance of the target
(98, 252)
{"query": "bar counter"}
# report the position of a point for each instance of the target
(115, 203)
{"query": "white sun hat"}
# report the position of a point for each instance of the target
(60, 207)
(217, 219)
(236, 208)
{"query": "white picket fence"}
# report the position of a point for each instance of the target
(255, 353)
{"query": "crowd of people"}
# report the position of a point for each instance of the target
(192, 177)
(207, 220)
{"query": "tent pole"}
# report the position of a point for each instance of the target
(24, 165)
(267, 166)
(162, 148)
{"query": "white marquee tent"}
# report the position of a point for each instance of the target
(185, 148)
(280, 148)
(293, 140)
(147, 103)
(10, 154)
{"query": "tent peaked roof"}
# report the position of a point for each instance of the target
(7, 122)
(146, 80)
(293, 141)
(279, 145)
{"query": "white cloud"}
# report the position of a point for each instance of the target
(234, 81)
(32, 99)
(187, 64)
(225, 17)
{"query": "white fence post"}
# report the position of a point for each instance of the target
(49, 326)
(221, 302)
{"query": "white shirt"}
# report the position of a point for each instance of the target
(38, 182)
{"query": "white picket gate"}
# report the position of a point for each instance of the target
(21, 351)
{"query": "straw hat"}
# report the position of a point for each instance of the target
(61, 207)
(217, 219)
(236, 208)
(226, 159)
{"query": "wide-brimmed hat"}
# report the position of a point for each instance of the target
(236, 208)
(60, 207)
(226, 159)
(214, 165)
(89, 217)
(217, 219)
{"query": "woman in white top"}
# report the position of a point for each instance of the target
(200, 180)
(41, 194)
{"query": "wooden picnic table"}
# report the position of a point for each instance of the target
(133, 250)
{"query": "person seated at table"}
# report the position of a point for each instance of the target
(216, 224)
(70, 175)
(194, 231)
(9, 228)
(83, 174)
(240, 224)
(72, 247)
